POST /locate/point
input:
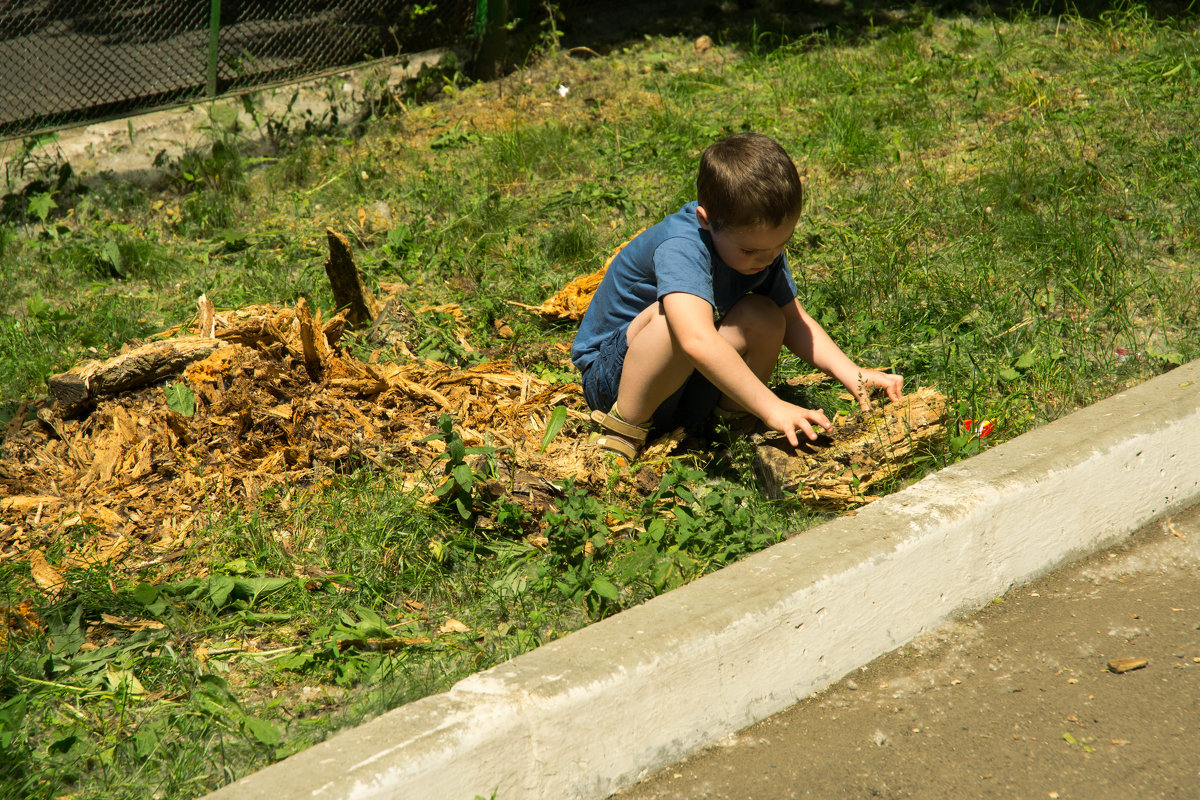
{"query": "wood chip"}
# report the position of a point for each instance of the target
(139, 366)
(1119, 665)
(570, 302)
(45, 576)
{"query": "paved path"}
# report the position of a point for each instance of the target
(1014, 701)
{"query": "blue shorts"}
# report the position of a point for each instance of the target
(689, 407)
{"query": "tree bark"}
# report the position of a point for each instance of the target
(148, 363)
(838, 471)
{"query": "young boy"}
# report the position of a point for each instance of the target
(691, 315)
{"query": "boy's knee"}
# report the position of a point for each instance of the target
(759, 316)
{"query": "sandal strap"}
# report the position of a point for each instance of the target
(617, 445)
(620, 427)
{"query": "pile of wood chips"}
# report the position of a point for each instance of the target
(277, 405)
(140, 448)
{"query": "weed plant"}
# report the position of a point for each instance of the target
(1005, 209)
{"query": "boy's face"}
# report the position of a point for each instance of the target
(748, 250)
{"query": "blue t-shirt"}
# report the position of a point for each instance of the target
(676, 255)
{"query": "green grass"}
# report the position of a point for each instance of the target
(1003, 209)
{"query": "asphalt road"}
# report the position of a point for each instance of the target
(1014, 701)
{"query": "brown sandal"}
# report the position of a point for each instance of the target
(619, 436)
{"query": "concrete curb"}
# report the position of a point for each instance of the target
(591, 713)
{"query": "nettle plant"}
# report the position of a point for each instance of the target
(695, 525)
(460, 486)
(579, 542)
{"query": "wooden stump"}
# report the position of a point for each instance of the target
(346, 281)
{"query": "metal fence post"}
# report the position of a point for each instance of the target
(214, 36)
(491, 17)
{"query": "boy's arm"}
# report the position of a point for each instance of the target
(806, 338)
(689, 319)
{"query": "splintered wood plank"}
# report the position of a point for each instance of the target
(308, 340)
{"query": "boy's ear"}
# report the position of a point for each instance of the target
(702, 218)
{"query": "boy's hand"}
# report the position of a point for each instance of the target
(788, 419)
(870, 380)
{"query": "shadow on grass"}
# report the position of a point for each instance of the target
(759, 25)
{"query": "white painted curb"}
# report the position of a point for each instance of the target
(591, 713)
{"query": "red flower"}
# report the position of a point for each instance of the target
(982, 428)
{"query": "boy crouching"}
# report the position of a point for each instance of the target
(691, 315)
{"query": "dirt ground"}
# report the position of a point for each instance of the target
(1015, 701)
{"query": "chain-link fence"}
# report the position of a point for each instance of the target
(67, 61)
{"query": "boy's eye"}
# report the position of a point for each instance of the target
(746, 252)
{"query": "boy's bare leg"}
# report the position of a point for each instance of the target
(655, 366)
(755, 327)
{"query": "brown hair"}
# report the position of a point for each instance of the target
(748, 180)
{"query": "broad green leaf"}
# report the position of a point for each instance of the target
(41, 204)
(263, 730)
(464, 477)
(239, 566)
(606, 589)
(557, 419)
(37, 306)
(219, 589)
(297, 662)
(123, 680)
(1026, 361)
(1170, 357)
(251, 589)
(144, 742)
(685, 519)
(110, 253)
(181, 399)
(225, 116)
(370, 624)
(145, 593)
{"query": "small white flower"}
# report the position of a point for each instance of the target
(563, 89)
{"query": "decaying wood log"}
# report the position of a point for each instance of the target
(148, 363)
(837, 471)
(344, 277)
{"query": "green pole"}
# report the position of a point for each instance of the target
(481, 10)
(214, 31)
(490, 19)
